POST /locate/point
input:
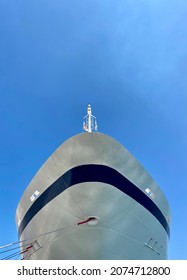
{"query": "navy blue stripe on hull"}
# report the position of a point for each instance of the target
(93, 173)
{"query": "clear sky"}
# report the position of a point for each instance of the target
(128, 58)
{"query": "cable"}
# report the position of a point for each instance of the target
(16, 254)
(25, 240)
(14, 248)
(34, 237)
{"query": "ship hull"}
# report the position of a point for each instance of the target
(92, 176)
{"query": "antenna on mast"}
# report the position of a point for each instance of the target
(89, 121)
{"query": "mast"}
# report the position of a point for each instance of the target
(89, 121)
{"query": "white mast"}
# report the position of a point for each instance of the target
(89, 111)
(89, 121)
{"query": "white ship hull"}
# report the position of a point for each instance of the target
(92, 175)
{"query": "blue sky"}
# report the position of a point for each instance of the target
(128, 58)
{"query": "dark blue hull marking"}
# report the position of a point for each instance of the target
(93, 173)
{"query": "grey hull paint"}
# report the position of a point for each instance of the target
(125, 230)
